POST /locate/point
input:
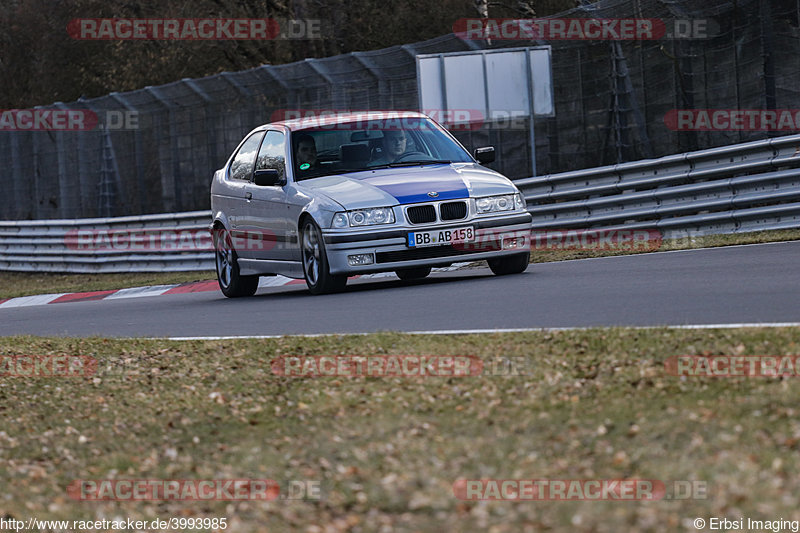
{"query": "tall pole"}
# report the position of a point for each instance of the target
(531, 112)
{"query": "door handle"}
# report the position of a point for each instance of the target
(248, 195)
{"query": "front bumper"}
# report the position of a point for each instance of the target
(390, 251)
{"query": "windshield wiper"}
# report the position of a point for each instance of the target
(414, 163)
(348, 170)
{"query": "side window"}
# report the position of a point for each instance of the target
(273, 153)
(242, 164)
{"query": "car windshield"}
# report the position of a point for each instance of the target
(373, 144)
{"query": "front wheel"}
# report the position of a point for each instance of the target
(231, 283)
(510, 264)
(315, 262)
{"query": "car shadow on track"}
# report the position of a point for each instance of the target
(388, 284)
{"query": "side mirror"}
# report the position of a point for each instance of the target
(485, 154)
(266, 177)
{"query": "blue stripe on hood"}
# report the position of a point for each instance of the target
(410, 190)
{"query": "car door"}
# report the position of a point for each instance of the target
(237, 177)
(267, 210)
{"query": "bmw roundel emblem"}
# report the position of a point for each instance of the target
(433, 194)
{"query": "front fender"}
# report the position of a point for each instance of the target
(218, 217)
(322, 213)
(318, 205)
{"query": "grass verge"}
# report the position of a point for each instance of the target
(688, 243)
(592, 404)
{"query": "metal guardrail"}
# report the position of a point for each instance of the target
(83, 245)
(739, 188)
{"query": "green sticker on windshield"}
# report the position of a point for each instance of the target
(305, 166)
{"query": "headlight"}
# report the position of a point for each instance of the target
(364, 217)
(505, 202)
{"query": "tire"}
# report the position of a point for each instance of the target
(413, 273)
(315, 261)
(231, 283)
(510, 264)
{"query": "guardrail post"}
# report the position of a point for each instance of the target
(20, 197)
(34, 177)
(138, 148)
(211, 132)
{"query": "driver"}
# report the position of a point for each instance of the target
(393, 146)
(306, 153)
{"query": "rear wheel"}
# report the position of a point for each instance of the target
(231, 283)
(413, 273)
(510, 264)
(315, 262)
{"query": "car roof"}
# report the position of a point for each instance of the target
(329, 118)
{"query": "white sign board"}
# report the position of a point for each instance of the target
(488, 84)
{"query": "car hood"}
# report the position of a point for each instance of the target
(408, 185)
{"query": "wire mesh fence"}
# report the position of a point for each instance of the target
(158, 147)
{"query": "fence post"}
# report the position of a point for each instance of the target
(170, 173)
(66, 205)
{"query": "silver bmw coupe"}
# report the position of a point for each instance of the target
(325, 198)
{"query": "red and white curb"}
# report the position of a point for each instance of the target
(159, 290)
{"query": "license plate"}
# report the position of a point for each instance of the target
(440, 237)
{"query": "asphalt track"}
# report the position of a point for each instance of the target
(733, 285)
